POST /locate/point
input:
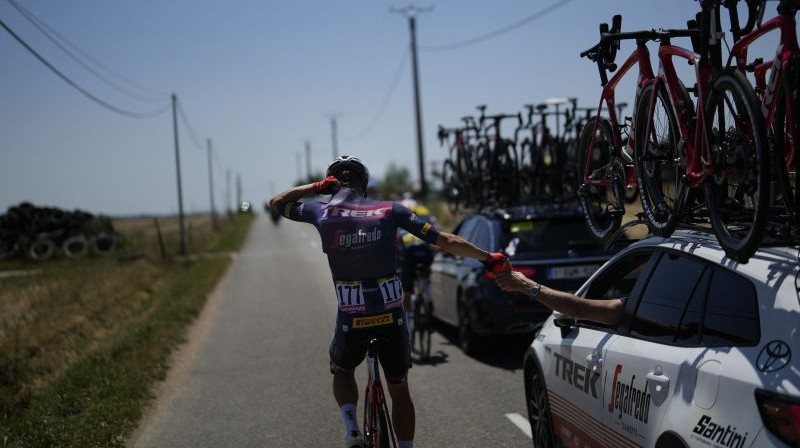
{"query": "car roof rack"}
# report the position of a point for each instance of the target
(535, 211)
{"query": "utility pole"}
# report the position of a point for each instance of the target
(238, 190)
(228, 190)
(333, 116)
(214, 223)
(299, 157)
(182, 246)
(411, 12)
(308, 160)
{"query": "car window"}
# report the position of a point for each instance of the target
(731, 312)
(689, 329)
(529, 238)
(482, 236)
(465, 229)
(665, 296)
(619, 279)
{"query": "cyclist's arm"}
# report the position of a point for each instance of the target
(279, 202)
(431, 234)
(608, 312)
(459, 246)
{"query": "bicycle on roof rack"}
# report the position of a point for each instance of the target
(720, 147)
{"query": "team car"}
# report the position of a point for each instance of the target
(702, 359)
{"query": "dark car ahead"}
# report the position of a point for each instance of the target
(548, 243)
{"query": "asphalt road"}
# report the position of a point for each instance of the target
(260, 377)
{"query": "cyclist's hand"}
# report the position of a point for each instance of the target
(329, 185)
(497, 263)
(513, 281)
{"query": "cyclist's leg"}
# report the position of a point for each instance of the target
(346, 353)
(408, 289)
(395, 357)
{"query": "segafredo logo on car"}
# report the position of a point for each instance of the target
(339, 212)
(628, 399)
(583, 378)
(717, 434)
(355, 239)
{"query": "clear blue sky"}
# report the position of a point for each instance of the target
(259, 77)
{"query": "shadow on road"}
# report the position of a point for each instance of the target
(505, 352)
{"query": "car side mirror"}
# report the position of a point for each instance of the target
(566, 324)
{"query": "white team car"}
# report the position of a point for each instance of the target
(704, 358)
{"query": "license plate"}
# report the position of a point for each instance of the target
(570, 272)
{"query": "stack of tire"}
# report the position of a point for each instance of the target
(39, 233)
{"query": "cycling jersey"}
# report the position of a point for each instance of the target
(358, 236)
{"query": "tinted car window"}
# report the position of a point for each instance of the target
(618, 280)
(465, 230)
(665, 297)
(482, 236)
(527, 238)
(731, 311)
(689, 328)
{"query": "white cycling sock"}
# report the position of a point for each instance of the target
(405, 444)
(349, 416)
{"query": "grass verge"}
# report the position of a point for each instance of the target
(82, 346)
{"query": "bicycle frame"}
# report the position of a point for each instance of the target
(640, 56)
(695, 169)
(786, 50)
(374, 400)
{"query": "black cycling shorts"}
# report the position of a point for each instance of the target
(353, 332)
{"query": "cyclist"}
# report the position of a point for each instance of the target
(358, 236)
(414, 254)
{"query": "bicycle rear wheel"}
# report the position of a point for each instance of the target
(782, 161)
(739, 190)
(602, 205)
(660, 162)
(384, 436)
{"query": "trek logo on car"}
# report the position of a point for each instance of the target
(582, 377)
(628, 399)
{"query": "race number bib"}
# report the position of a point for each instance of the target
(392, 292)
(350, 296)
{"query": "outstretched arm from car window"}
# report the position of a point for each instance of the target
(608, 312)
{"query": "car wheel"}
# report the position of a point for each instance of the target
(538, 406)
(469, 341)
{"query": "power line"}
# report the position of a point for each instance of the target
(192, 133)
(49, 34)
(379, 113)
(52, 34)
(76, 86)
(498, 32)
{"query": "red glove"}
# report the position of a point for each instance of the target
(497, 263)
(326, 186)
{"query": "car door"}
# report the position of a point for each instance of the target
(646, 368)
(575, 366)
(444, 274)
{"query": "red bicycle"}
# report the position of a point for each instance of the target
(378, 430)
(780, 100)
(721, 146)
(605, 156)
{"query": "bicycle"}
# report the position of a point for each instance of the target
(721, 147)
(605, 157)
(378, 430)
(778, 96)
(497, 158)
(421, 307)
